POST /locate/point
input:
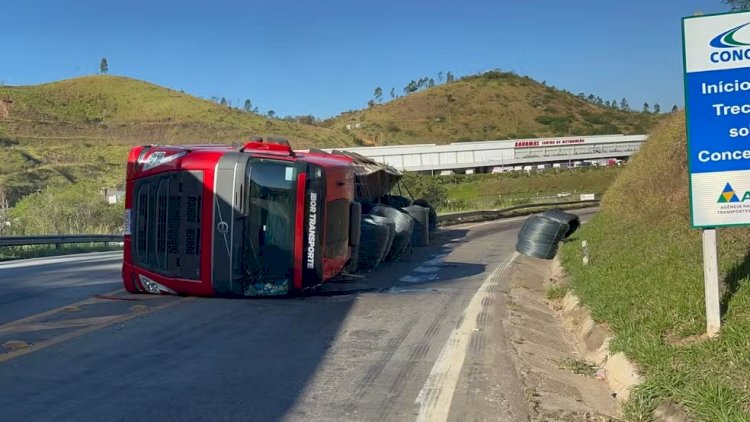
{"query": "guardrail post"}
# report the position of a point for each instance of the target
(585, 252)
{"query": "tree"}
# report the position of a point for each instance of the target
(449, 78)
(103, 66)
(657, 108)
(674, 108)
(738, 5)
(440, 77)
(248, 106)
(624, 104)
(379, 94)
(393, 92)
(4, 208)
(614, 103)
(607, 104)
(591, 98)
(430, 83)
(223, 101)
(271, 113)
(645, 107)
(371, 104)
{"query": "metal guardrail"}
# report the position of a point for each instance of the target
(469, 216)
(59, 239)
(443, 219)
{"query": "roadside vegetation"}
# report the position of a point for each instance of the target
(492, 191)
(645, 281)
(79, 129)
(489, 106)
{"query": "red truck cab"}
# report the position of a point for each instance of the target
(255, 220)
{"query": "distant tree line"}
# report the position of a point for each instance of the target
(412, 87)
(738, 5)
(622, 105)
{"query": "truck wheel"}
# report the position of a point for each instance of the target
(404, 226)
(433, 214)
(375, 235)
(421, 216)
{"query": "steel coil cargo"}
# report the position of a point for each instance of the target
(570, 219)
(376, 237)
(404, 228)
(421, 215)
(540, 236)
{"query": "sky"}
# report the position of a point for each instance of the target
(327, 56)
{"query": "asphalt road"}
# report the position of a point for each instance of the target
(401, 343)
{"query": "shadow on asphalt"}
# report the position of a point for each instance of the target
(212, 359)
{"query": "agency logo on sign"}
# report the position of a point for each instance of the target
(733, 39)
(728, 195)
(728, 39)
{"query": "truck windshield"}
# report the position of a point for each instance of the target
(269, 237)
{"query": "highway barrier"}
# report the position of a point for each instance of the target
(443, 220)
(59, 239)
(473, 216)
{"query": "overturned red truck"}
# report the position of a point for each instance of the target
(260, 219)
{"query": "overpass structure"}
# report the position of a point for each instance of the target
(507, 155)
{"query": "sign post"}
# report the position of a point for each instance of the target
(716, 51)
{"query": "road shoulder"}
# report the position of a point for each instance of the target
(522, 364)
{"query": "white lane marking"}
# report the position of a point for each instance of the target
(435, 398)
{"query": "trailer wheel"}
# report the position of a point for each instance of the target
(404, 227)
(375, 235)
(421, 216)
(433, 215)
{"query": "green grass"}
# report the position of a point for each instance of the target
(645, 281)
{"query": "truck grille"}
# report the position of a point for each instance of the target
(167, 232)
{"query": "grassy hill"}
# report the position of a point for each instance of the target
(494, 105)
(645, 281)
(80, 128)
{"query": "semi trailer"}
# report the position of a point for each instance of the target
(260, 219)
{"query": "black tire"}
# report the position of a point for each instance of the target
(375, 235)
(355, 219)
(433, 215)
(420, 236)
(404, 226)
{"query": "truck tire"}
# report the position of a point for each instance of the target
(433, 215)
(404, 226)
(421, 216)
(355, 218)
(375, 236)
